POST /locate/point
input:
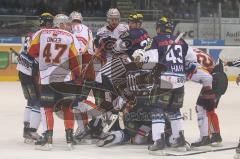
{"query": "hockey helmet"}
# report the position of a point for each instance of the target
(75, 16)
(60, 19)
(46, 19)
(138, 55)
(165, 24)
(113, 13)
(135, 17)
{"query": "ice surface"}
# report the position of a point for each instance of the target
(12, 146)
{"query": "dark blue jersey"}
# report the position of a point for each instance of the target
(175, 56)
(136, 39)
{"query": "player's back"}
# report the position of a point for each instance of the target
(56, 47)
(139, 39)
(84, 37)
(205, 60)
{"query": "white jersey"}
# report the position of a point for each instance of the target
(105, 32)
(169, 80)
(58, 53)
(24, 62)
(85, 38)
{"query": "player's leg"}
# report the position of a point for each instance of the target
(30, 94)
(47, 101)
(205, 100)
(158, 121)
(35, 117)
(175, 117)
(69, 124)
(203, 127)
(214, 127)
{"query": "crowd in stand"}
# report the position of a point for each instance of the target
(183, 9)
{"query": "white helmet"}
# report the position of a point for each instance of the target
(138, 55)
(75, 16)
(60, 19)
(113, 13)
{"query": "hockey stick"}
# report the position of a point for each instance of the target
(199, 152)
(175, 42)
(14, 52)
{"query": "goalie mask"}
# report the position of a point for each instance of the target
(138, 57)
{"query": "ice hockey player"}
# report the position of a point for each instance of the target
(235, 64)
(133, 123)
(28, 74)
(108, 35)
(210, 76)
(58, 53)
(136, 37)
(178, 58)
(85, 38)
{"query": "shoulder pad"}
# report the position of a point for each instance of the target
(124, 35)
(122, 27)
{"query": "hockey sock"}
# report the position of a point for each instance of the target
(213, 121)
(158, 126)
(35, 118)
(27, 113)
(47, 118)
(176, 124)
(68, 118)
(202, 121)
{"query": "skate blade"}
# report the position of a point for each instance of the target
(217, 144)
(70, 146)
(28, 141)
(88, 141)
(100, 143)
(179, 149)
(47, 147)
(158, 153)
(237, 156)
(202, 148)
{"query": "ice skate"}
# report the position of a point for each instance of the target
(180, 145)
(216, 140)
(158, 147)
(105, 140)
(69, 139)
(203, 143)
(80, 136)
(45, 143)
(25, 129)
